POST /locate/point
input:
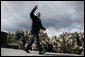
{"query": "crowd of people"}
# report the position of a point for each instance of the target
(72, 43)
(69, 43)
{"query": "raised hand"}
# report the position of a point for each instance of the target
(35, 7)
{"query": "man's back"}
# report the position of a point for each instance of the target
(36, 25)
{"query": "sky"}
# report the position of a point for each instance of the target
(56, 16)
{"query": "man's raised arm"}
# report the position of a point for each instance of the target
(32, 12)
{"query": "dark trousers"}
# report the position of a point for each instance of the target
(35, 37)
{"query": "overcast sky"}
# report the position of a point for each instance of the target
(56, 16)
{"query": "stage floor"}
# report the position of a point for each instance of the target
(17, 52)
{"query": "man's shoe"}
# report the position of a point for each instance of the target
(41, 52)
(27, 51)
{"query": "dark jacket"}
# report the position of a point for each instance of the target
(36, 23)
